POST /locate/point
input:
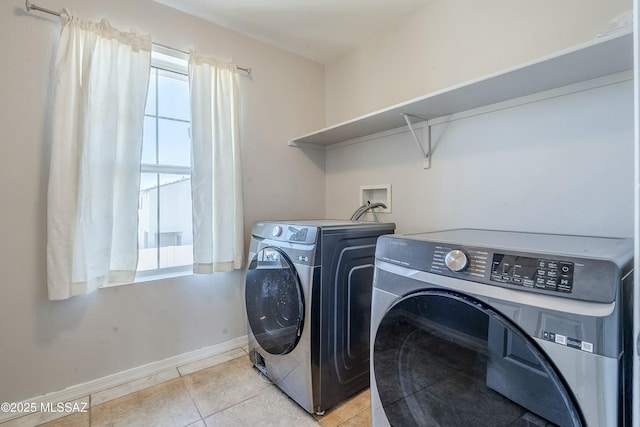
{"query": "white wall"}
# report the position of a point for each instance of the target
(47, 346)
(559, 165)
(454, 41)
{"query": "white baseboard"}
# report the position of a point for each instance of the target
(86, 389)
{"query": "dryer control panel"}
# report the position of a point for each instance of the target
(519, 270)
(540, 273)
(576, 267)
(509, 269)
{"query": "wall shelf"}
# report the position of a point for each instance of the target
(599, 58)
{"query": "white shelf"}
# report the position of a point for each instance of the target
(602, 57)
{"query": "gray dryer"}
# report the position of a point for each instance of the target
(481, 327)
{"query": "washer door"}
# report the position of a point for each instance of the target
(445, 359)
(274, 301)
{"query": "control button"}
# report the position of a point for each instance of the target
(540, 272)
(552, 265)
(456, 260)
(276, 231)
(300, 235)
(566, 268)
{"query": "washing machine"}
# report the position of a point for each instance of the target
(494, 328)
(308, 302)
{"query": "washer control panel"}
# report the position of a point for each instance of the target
(540, 273)
(297, 234)
(282, 232)
(449, 260)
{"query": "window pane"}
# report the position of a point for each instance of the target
(164, 232)
(174, 143)
(175, 234)
(148, 222)
(151, 94)
(149, 141)
(173, 95)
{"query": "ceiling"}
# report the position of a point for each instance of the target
(321, 30)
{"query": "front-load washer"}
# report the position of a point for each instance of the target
(491, 328)
(308, 301)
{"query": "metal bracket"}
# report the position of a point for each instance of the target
(426, 155)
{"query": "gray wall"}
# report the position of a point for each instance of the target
(559, 165)
(47, 346)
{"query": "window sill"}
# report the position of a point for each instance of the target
(164, 274)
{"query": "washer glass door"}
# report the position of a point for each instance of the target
(445, 359)
(274, 301)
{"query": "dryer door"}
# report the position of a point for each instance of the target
(443, 359)
(274, 301)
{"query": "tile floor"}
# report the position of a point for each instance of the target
(223, 390)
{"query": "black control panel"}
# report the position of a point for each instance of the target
(539, 273)
(297, 234)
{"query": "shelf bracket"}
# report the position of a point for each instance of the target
(426, 155)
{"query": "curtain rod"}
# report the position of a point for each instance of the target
(30, 6)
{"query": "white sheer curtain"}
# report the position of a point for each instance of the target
(216, 183)
(99, 102)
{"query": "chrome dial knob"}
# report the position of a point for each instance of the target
(276, 231)
(456, 260)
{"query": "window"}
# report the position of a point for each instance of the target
(165, 237)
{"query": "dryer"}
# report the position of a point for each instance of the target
(480, 327)
(308, 301)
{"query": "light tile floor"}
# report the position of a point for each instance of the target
(223, 390)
